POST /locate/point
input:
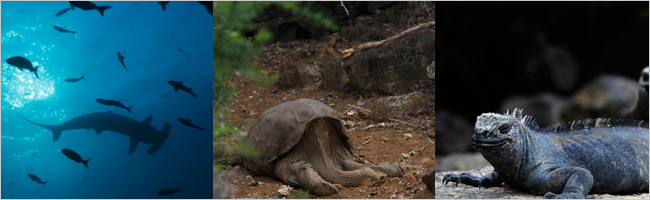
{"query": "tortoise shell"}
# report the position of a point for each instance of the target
(277, 130)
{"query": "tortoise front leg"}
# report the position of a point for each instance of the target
(302, 174)
(390, 170)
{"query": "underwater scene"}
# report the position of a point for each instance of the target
(106, 100)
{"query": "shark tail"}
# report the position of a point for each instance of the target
(82, 77)
(101, 9)
(179, 189)
(73, 32)
(56, 131)
(202, 129)
(164, 134)
(129, 109)
(85, 162)
(46, 182)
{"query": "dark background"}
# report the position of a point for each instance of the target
(489, 51)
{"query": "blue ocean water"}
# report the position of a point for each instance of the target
(158, 46)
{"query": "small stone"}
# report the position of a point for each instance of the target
(351, 113)
(275, 90)
(250, 97)
(284, 191)
(373, 193)
(361, 155)
(412, 153)
(383, 139)
(348, 124)
(405, 137)
(405, 155)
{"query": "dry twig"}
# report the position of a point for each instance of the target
(346, 10)
(368, 45)
(329, 48)
(388, 118)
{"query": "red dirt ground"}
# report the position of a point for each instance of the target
(379, 145)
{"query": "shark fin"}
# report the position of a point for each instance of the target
(133, 145)
(148, 120)
(99, 131)
(56, 134)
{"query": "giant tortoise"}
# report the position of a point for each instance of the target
(304, 144)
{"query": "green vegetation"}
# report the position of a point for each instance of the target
(233, 55)
(300, 194)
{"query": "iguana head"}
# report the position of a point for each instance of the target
(495, 132)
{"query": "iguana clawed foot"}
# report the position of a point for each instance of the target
(451, 178)
(467, 179)
(550, 195)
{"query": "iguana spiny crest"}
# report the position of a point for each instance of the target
(494, 131)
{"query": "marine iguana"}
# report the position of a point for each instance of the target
(561, 161)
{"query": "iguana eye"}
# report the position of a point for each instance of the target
(504, 129)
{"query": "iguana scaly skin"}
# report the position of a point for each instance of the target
(562, 161)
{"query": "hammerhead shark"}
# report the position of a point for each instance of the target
(100, 121)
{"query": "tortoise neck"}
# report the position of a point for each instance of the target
(325, 150)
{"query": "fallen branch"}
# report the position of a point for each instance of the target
(388, 118)
(368, 45)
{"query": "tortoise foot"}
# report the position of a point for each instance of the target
(323, 188)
